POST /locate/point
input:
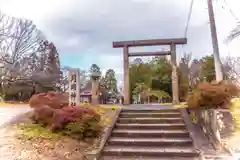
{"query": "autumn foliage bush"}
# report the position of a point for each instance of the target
(55, 100)
(212, 95)
(51, 110)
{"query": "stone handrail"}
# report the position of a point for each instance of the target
(207, 119)
(215, 123)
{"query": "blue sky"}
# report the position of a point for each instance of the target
(83, 30)
(82, 60)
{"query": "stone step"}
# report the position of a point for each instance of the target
(150, 111)
(150, 141)
(150, 151)
(151, 126)
(137, 114)
(144, 158)
(149, 133)
(144, 120)
(221, 157)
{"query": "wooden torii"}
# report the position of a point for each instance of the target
(152, 42)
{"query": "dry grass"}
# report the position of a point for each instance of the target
(233, 141)
(18, 144)
(235, 109)
(181, 105)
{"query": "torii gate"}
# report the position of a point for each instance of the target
(153, 42)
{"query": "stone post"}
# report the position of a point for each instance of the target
(120, 100)
(69, 87)
(72, 88)
(77, 87)
(175, 89)
(95, 87)
(95, 92)
(126, 76)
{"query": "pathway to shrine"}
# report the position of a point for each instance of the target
(7, 114)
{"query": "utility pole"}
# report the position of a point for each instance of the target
(216, 56)
(218, 68)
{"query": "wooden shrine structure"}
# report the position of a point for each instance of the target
(153, 42)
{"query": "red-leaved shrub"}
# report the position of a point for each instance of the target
(55, 100)
(52, 110)
(212, 95)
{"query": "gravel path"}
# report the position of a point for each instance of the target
(9, 113)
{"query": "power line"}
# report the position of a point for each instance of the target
(188, 20)
(234, 16)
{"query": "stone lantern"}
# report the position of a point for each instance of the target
(95, 87)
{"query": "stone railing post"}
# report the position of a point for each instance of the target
(209, 123)
(215, 127)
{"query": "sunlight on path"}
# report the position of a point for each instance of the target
(8, 113)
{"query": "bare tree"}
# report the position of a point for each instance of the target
(235, 33)
(231, 68)
(52, 61)
(29, 61)
(38, 70)
(194, 72)
(184, 76)
(64, 85)
(3, 29)
(17, 79)
(185, 62)
(83, 78)
(4, 24)
(1, 25)
(21, 38)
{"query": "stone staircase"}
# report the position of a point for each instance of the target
(149, 135)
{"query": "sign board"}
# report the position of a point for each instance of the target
(74, 90)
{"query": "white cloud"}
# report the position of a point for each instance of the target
(139, 18)
(90, 26)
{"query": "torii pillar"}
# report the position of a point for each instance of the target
(175, 86)
(126, 91)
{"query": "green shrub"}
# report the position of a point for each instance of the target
(212, 95)
(88, 127)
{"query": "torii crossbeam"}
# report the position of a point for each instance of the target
(151, 42)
